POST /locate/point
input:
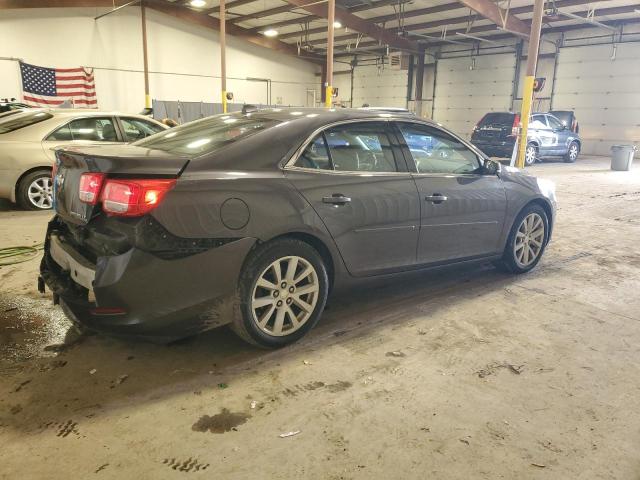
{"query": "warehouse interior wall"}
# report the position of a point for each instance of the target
(185, 58)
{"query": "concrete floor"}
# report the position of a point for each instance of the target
(457, 374)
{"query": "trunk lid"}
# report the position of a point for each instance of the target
(116, 161)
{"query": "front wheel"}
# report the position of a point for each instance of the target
(282, 292)
(530, 155)
(572, 152)
(527, 240)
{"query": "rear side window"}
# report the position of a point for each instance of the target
(361, 147)
(315, 155)
(93, 129)
(16, 122)
(207, 135)
(497, 118)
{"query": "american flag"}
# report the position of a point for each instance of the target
(51, 87)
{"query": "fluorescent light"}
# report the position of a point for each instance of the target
(270, 32)
(197, 3)
(337, 24)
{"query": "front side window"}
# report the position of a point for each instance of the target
(92, 129)
(137, 129)
(435, 151)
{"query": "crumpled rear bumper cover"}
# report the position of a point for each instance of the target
(161, 299)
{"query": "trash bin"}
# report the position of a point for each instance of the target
(622, 157)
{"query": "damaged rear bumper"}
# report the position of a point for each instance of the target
(137, 293)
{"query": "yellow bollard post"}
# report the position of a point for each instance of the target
(527, 96)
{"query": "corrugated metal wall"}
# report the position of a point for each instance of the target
(463, 95)
(604, 92)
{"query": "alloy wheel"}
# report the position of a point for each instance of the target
(529, 240)
(530, 155)
(285, 296)
(573, 151)
(40, 193)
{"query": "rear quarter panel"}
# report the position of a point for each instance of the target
(197, 208)
(17, 157)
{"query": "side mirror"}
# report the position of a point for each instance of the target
(491, 167)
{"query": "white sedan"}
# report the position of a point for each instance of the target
(27, 140)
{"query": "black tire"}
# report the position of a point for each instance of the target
(244, 323)
(22, 192)
(509, 262)
(531, 155)
(572, 152)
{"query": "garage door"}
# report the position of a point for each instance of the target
(604, 93)
(463, 95)
(379, 88)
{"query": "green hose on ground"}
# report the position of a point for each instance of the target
(14, 255)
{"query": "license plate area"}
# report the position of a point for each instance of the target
(81, 270)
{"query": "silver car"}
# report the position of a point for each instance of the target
(27, 140)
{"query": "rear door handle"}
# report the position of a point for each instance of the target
(336, 199)
(436, 198)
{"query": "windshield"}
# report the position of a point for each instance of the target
(15, 122)
(206, 135)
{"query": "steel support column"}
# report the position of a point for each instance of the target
(331, 15)
(223, 55)
(527, 89)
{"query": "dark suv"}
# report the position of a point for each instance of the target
(496, 133)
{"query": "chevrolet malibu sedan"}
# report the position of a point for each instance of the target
(253, 218)
(28, 137)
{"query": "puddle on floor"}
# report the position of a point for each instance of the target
(27, 327)
(224, 421)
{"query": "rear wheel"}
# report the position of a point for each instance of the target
(35, 191)
(527, 240)
(282, 292)
(530, 155)
(572, 152)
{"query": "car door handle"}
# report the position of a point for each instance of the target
(336, 199)
(436, 198)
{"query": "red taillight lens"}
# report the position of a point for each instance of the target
(516, 124)
(90, 186)
(132, 198)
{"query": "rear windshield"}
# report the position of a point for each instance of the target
(206, 135)
(15, 122)
(497, 118)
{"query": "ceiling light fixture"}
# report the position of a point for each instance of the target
(337, 24)
(197, 3)
(270, 32)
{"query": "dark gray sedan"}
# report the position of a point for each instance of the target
(252, 218)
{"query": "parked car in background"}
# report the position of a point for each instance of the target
(252, 218)
(547, 137)
(8, 105)
(27, 140)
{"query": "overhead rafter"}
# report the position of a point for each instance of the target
(358, 24)
(7, 4)
(545, 31)
(288, 8)
(384, 18)
(505, 19)
(444, 22)
(208, 21)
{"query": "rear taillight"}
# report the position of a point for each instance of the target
(516, 125)
(90, 186)
(132, 198)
